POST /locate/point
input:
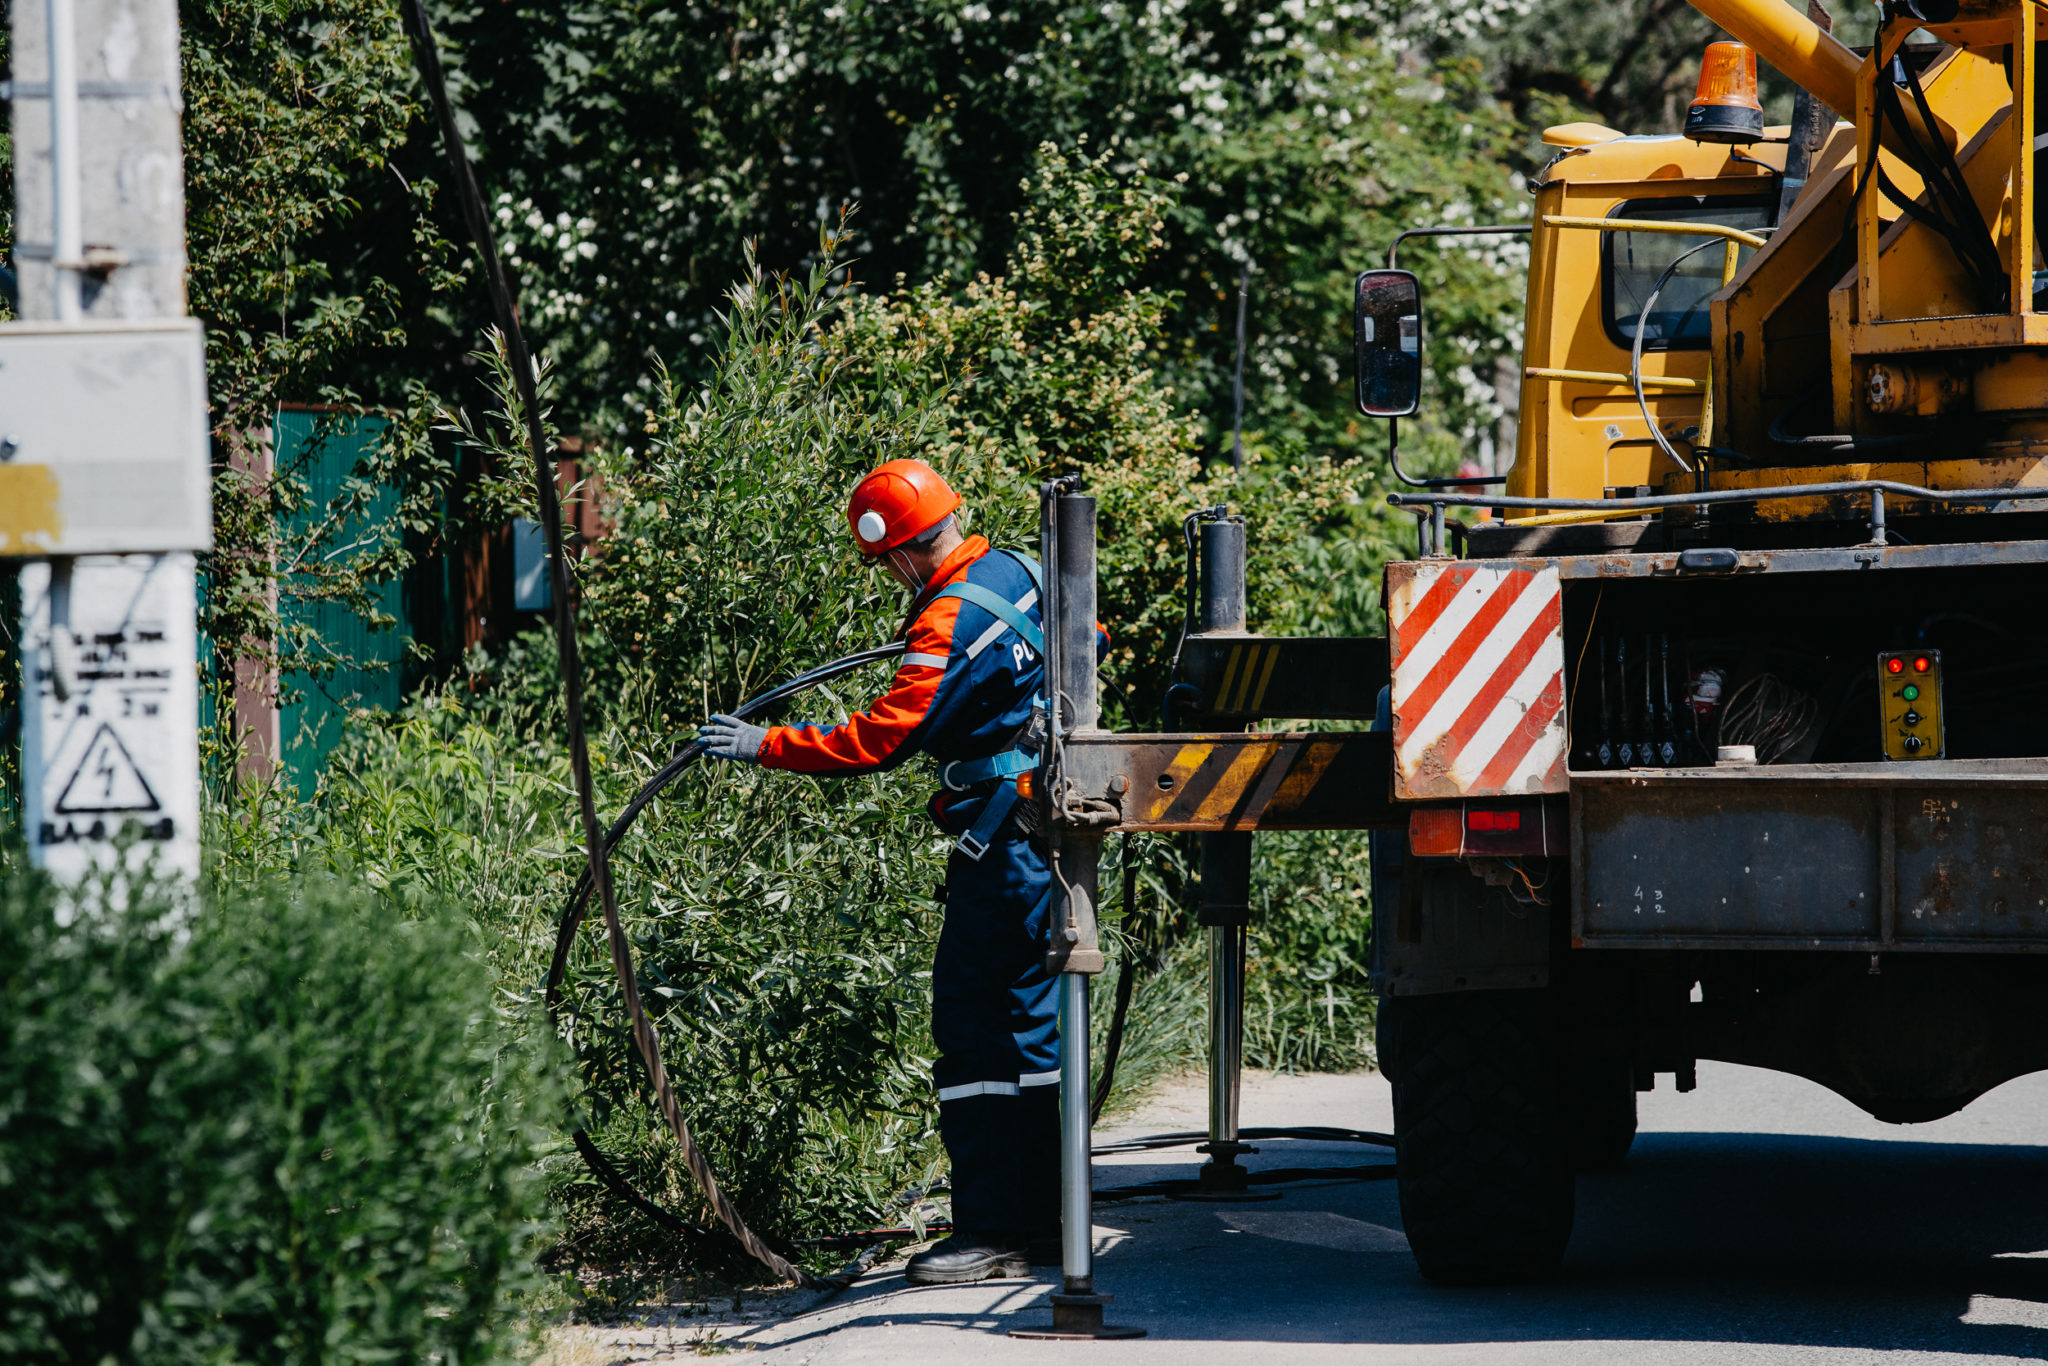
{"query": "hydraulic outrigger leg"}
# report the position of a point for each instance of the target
(1073, 834)
(1226, 864)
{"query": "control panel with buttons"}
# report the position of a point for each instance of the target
(1909, 698)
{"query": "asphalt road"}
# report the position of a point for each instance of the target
(1759, 1219)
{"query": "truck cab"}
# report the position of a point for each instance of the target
(1581, 431)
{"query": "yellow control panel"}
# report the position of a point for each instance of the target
(1909, 697)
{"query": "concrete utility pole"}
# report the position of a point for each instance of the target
(104, 467)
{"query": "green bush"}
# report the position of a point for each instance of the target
(284, 1125)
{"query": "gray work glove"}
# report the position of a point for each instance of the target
(732, 738)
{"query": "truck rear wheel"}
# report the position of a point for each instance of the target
(1600, 1112)
(1482, 1153)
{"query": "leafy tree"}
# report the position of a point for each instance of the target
(1631, 64)
(637, 146)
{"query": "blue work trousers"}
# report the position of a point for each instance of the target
(995, 1019)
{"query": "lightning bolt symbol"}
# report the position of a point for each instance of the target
(106, 769)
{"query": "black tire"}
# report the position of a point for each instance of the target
(1600, 1112)
(1481, 1153)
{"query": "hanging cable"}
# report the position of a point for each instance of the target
(1187, 621)
(428, 58)
(1126, 981)
(1951, 211)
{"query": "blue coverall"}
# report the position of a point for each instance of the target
(964, 691)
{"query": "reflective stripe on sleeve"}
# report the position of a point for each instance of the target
(930, 661)
(1051, 1078)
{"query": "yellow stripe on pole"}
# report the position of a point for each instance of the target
(1302, 778)
(1229, 672)
(1266, 676)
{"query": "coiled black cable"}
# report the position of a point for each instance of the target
(574, 910)
(579, 900)
(601, 1166)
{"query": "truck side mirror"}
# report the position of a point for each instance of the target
(1387, 343)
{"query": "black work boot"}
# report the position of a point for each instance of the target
(969, 1257)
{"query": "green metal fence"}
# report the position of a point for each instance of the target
(364, 665)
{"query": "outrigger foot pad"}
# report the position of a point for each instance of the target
(1078, 1318)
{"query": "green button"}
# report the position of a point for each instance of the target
(1909, 692)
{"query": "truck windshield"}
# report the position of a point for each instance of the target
(1634, 260)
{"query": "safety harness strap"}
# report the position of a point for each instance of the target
(1000, 608)
(965, 773)
(1004, 767)
(1001, 802)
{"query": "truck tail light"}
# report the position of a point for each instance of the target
(1467, 830)
(1436, 832)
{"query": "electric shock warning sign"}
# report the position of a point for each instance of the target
(109, 663)
(106, 780)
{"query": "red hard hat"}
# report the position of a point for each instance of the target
(900, 500)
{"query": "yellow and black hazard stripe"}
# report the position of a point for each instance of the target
(1246, 676)
(1306, 678)
(1241, 781)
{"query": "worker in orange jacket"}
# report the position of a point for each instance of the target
(966, 693)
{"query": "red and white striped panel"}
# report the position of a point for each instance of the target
(1478, 661)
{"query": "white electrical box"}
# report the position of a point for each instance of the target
(104, 438)
(110, 713)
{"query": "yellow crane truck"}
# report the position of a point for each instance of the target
(1723, 736)
(1718, 727)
